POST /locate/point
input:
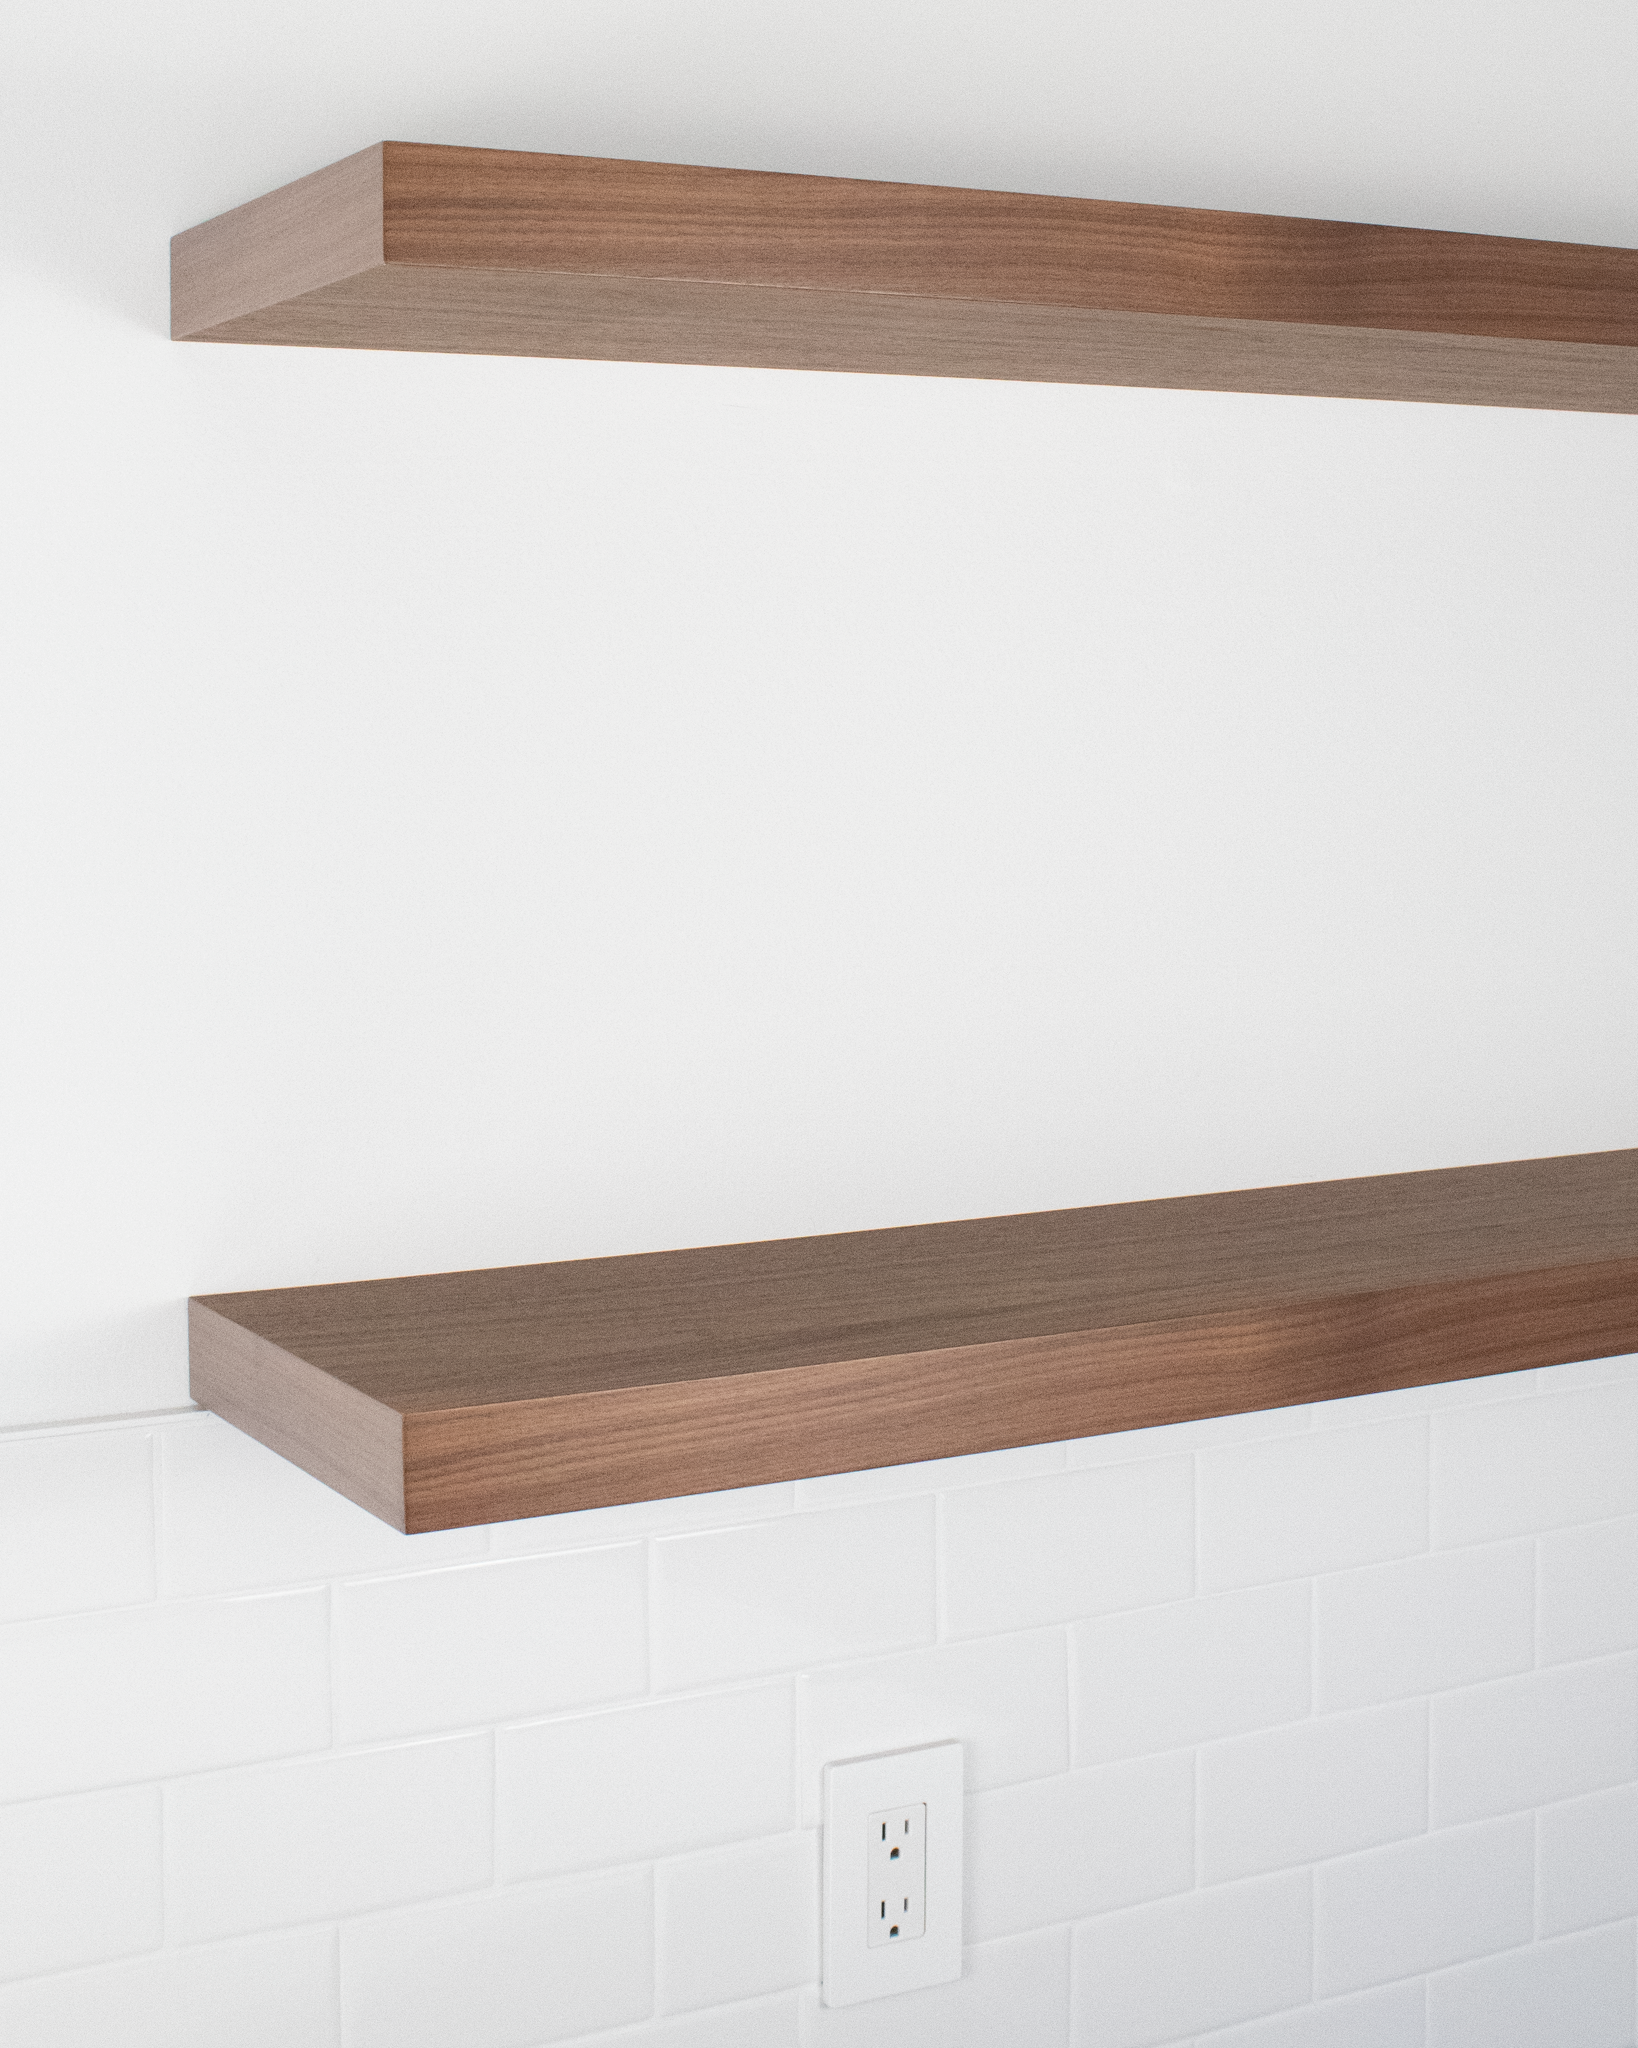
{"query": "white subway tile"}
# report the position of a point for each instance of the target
(76, 1522)
(628, 1785)
(1391, 2017)
(1007, 1699)
(1173, 1439)
(1043, 1550)
(1424, 1624)
(79, 1881)
(637, 1520)
(1192, 1963)
(234, 1514)
(1353, 1409)
(149, 1692)
(1061, 1848)
(931, 1475)
(502, 1970)
(737, 1923)
(1011, 1994)
(1589, 1372)
(1573, 1993)
(1587, 1860)
(489, 1642)
(1165, 1677)
(1515, 1467)
(327, 1837)
(1313, 1790)
(1588, 1589)
(1417, 1906)
(1528, 1741)
(269, 1993)
(808, 1589)
(755, 2023)
(1317, 1503)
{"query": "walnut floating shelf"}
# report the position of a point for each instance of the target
(478, 1397)
(502, 252)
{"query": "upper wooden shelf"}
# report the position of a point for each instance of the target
(504, 252)
(475, 1397)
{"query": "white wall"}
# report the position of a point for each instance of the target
(1308, 1730)
(463, 811)
(454, 812)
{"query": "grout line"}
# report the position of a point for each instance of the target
(77, 1425)
(1535, 1602)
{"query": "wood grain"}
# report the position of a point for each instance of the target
(514, 253)
(534, 1389)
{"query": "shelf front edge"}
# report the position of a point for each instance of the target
(509, 1460)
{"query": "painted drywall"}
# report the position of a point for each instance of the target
(1316, 1729)
(456, 812)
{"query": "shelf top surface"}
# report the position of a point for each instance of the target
(588, 1326)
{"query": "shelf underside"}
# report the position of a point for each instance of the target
(460, 1398)
(501, 252)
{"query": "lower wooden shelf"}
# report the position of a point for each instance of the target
(457, 1398)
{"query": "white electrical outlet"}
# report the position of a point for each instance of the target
(897, 1855)
(892, 1885)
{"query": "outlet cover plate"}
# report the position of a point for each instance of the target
(851, 1970)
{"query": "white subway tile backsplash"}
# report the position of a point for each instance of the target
(635, 1521)
(645, 1781)
(150, 1692)
(1313, 1790)
(1588, 1590)
(1190, 1964)
(234, 1514)
(1172, 1439)
(489, 1642)
(755, 2023)
(1062, 1848)
(1353, 1409)
(1011, 1994)
(1572, 1993)
(502, 1970)
(1006, 1699)
(1391, 2017)
(1315, 1503)
(1034, 1551)
(931, 1475)
(737, 1923)
(76, 1522)
(1517, 1467)
(1589, 1372)
(810, 1588)
(268, 1993)
(1420, 1905)
(1587, 1860)
(1531, 1740)
(1423, 1625)
(1165, 1677)
(79, 1880)
(1213, 1798)
(320, 1839)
